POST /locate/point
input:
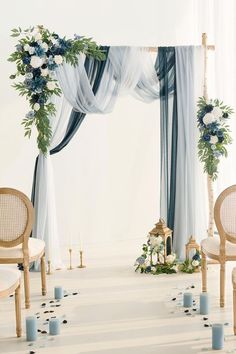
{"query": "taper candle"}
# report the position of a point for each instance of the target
(204, 303)
(188, 300)
(31, 328)
(217, 336)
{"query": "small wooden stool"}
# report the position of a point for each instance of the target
(234, 297)
(9, 283)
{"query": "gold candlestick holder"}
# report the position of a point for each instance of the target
(81, 260)
(49, 268)
(70, 253)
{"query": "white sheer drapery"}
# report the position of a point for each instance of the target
(190, 200)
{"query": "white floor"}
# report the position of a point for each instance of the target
(119, 311)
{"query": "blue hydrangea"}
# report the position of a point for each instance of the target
(30, 115)
(140, 260)
(26, 59)
(206, 137)
(39, 51)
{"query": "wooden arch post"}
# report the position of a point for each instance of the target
(210, 189)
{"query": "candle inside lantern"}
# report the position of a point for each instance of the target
(58, 292)
(31, 328)
(217, 336)
(204, 303)
(54, 326)
(188, 300)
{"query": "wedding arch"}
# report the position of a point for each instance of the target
(66, 79)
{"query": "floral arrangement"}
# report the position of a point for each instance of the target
(152, 259)
(190, 265)
(214, 133)
(38, 54)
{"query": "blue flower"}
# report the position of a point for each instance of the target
(220, 133)
(26, 59)
(39, 51)
(76, 36)
(221, 139)
(140, 260)
(36, 72)
(30, 115)
(206, 137)
(148, 269)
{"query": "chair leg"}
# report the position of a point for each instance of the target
(43, 275)
(18, 311)
(204, 273)
(234, 307)
(222, 284)
(27, 286)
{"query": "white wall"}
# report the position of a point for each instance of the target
(107, 178)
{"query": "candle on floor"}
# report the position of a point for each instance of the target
(217, 336)
(204, 303)
(31, 328)
(188, 300)
(54, 326)
(58, 292)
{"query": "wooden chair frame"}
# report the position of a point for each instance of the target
(23, 239)
(222, 257)
(15, 288)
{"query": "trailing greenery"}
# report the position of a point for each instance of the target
(38, 53)
(214, 133)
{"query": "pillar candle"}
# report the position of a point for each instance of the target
(54, 326)
(58, 292)
(31, 328)
(204, 303)
(188, 300)
(217, 336)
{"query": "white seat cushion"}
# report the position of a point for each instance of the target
(8, 277)
(212, 245)
(36, 247)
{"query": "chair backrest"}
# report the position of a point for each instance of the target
(225, 214)
(16, 217)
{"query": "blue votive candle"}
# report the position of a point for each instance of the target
(217, 336)
(204, 303)
(58, 292)
(54, 326)
(188, 299)
(31, 328)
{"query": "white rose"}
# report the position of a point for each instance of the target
(217, 112)
(195, 263)
(214, 139)
(44, 72)
(170, 259)
(26, 47)
(36, 62)
(31, 50)
(155, 241)
(51, 85)
(175, 268)
(37, 36)
(44, 46)
(36, 106)
(58, 59)
(208, 118)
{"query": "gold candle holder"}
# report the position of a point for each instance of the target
(81, 260)
(70, 253)
(49, 268)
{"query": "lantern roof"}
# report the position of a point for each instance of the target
(160, 228)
